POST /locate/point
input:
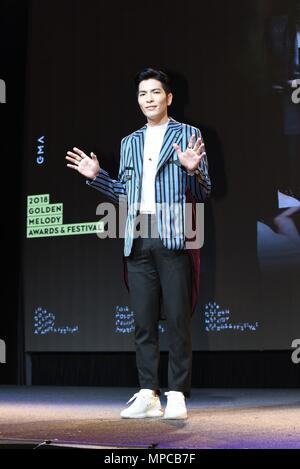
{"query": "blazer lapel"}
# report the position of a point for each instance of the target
(172, 135)
(138, 150)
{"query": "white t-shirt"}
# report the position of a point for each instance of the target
(153, 143)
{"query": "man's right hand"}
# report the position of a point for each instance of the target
(87, 166)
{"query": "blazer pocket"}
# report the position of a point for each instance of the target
(129, 173)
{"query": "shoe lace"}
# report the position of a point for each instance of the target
(133, 398)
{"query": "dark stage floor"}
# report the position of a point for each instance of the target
(218, 418)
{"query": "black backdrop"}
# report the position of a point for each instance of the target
(214, 34)
(13, 51)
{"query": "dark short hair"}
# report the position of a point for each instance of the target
(159, 75)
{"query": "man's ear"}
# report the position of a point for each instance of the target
(169, 99)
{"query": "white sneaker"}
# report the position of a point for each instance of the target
(146, 404)
(176, 408)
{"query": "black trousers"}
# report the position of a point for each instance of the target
(157, 274)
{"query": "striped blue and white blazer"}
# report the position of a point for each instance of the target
(172, 183)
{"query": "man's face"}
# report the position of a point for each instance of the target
(153, 99)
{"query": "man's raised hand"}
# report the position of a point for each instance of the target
(190, 158)
(86, 165)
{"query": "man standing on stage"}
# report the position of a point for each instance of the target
(159, 165)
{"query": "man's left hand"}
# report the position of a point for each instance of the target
(190, 158)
